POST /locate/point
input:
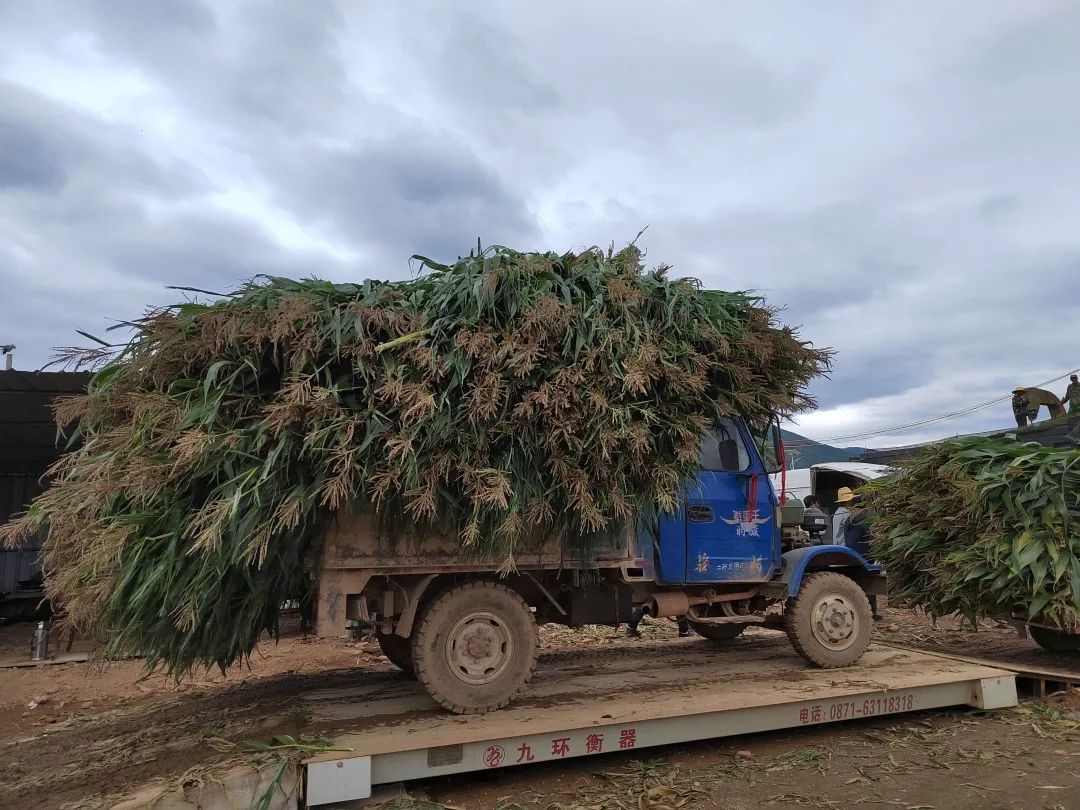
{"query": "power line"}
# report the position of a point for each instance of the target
(933, 420)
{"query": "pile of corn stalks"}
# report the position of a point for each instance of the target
(503, 398)
(983, 528)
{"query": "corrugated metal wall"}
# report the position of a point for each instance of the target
(16, 492)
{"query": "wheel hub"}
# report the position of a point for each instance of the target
(479, 647)
(834, 622)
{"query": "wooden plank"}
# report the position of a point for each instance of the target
(1046, 673)
(70, 658)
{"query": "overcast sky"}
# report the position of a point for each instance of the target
(903, 177)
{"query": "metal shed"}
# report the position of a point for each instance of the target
(28, 446)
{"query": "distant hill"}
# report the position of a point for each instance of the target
(811, 452)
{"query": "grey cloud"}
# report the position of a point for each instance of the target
(888, 372)
(291, 72)
(998, 205)
(273, 66)
(25, 160)
(1045, 45)
(807, 261)
(144, 26)
(143, 258)
(411, 195)
(83, 235)
(55, 151)
(481, 66)
(663, 68)
(203, 251)
(915, 213)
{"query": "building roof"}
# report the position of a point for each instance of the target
(1051, 432)
(860, 469)
(27, 431)
(800, 482)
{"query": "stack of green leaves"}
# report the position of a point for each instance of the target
(507, 397)
(983, 528)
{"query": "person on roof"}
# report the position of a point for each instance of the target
(1072, 395)
(1020, 407)
(844, 497)
(1036, 398)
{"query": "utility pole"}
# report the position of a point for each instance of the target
(792, 455)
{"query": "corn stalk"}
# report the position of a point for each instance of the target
(983, 528)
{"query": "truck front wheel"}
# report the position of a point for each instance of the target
(475, 647)
(829, 620)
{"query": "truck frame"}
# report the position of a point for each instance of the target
(732, 556)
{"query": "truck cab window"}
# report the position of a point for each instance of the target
(722, 449)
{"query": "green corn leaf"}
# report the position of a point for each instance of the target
(982, 527)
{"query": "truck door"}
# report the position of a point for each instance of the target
(729, 515)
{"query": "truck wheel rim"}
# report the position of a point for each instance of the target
(479, 647)
(834, 622)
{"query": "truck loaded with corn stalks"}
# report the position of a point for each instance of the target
(987, 528)
(511, 439)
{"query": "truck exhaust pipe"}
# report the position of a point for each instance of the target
(675, 603)
(678, 603)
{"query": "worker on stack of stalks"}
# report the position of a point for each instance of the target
(1072, 396)
(1020, 407)
(1032, 399)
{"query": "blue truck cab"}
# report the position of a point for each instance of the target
(731, 556)
(734, 556)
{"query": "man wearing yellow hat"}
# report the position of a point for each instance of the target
(844, 497)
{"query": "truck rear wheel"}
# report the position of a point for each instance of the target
(398, 650)
(1055, 640)
(829, 620)
(475, 647)
(716, 632)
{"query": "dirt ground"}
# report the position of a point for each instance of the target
(74, 734)
(994, 640)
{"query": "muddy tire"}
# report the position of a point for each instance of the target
(475, 647)
(716, 632)
(1055, 640)
(829, 620)
(398, 650)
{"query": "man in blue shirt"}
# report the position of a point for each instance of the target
(844, 497)
(857, 538)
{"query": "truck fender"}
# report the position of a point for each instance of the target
(408, 615)
(795, 564)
